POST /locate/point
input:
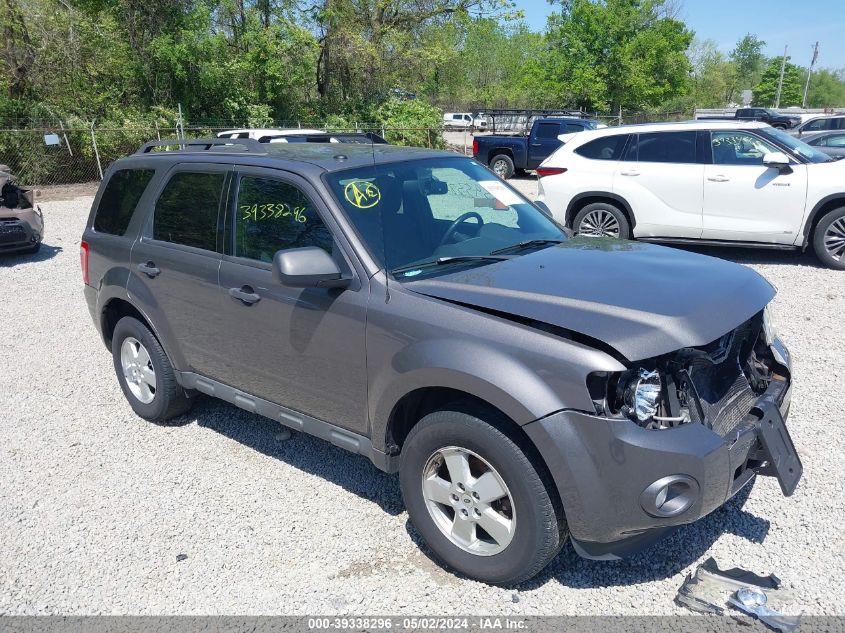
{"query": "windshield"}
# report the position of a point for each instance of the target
(797, 146)
(421, 211)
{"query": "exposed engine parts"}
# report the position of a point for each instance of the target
(714, 384)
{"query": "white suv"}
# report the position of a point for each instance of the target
(742, 184)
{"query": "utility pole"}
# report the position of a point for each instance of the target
(780, 80)
(810, 72)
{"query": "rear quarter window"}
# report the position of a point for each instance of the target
(119, 200)
(604, 148)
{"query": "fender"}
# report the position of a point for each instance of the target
(811, 217)
(598, 194)
(467, 366)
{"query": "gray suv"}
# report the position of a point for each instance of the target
(409, 306)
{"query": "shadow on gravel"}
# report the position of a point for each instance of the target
(357, 475)
(353, 473)
(756, 255)
(664, 560)
(44, 253)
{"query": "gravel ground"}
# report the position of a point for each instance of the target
(97, 506)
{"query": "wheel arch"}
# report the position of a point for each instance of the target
(496, 151)
(822, 208)
(415, 405)
(117, 307)
(581, 200)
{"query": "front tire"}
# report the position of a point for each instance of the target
(829, 239)
(502, 166)
(602, 219)
(145, 374)
(478, 499)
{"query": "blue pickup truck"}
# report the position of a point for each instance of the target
(507, 155)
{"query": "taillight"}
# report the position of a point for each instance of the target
(474, 146)
(549, 171)
(83, 261)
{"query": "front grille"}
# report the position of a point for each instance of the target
(721, 395)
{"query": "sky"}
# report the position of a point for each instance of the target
(779, 22)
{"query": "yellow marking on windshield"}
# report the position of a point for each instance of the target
(362, 194)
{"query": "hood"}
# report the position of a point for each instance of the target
(641, 299)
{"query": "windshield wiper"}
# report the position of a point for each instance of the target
(525, 244)
(440, 261)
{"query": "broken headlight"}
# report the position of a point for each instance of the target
(769, 332)
(640, 391)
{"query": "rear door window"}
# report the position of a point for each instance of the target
(186, 211)
(604, 148)
(119, 200)
(663, 147)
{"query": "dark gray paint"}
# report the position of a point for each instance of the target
(335, 362)
(643, 300)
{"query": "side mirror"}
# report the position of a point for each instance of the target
(778, 160)
(308, 267)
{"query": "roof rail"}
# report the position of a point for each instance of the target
(249, 145)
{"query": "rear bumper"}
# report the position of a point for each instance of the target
(604, 469)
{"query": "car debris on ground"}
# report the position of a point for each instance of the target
(712, 590)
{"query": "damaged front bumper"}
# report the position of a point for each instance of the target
(20, 229)
(623, 486)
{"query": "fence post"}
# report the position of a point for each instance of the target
(428, 136)
(69, 150)
(158, 133)
(96, 151)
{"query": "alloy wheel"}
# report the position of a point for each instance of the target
(834, 239)
(138, 370)
(468, 501)
(599, 223)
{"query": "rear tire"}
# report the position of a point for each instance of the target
(145, 374)
(829, 239)
(526, 523)
(502, 166)
(602, 219)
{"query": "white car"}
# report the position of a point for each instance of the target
(724, 183)
(258, 133)
(464, 121)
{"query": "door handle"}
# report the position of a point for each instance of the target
(245, 294)
(149, 269)
(630, 172)
(536, 145)
(718, 178)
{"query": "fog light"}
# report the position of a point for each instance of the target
(670, 496)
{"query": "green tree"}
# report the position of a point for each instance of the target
(749, 60)
(613, 53)
(714, 76)
(827, 88)
(792, 91)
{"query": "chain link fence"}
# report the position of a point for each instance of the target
(47, 153)
(55, 155)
